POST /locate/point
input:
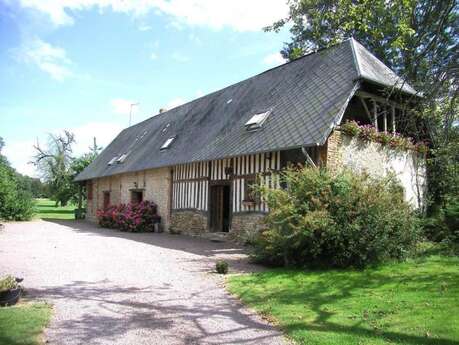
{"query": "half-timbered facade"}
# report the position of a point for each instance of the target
(199, 161)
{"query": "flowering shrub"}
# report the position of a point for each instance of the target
(369, 133)
(350, 128)
(336, 220)
(132, 217)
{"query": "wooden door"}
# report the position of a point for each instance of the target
(220, 208)
(216, 208)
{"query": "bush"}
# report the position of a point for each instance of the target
(444, 225)
(221, 267)
(8, 283)
(345, 220)
(15, 204)
(132, 217)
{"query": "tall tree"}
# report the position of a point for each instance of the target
(418, 39)
(78, 165)
(54, 163)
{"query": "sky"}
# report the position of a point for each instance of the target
(78, 65)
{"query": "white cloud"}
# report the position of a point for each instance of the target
(180, 57)
(123, 106)
(241, 15)
(175, 103)
(20, 153)
(104, 132)
(50, 59)
(274, 59)
(175, 25)
(145, 28)
(153, 56)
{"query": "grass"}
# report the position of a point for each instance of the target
(23, 323)
(46, 209)
(414, 302)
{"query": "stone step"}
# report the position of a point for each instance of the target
(216, 236)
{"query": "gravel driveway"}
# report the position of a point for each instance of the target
(109, 287)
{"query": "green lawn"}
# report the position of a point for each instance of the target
(23, 323)
(415, 302)
(46, 209)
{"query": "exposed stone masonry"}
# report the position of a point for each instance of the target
(190, 222)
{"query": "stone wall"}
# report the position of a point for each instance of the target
(377, 160)
(155, 184)
(190, 222)
(245, 225)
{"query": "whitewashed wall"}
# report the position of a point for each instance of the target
(408, 166)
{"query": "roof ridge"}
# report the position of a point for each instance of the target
(253, 76)
(356, 57)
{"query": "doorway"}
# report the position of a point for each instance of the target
(220, 208)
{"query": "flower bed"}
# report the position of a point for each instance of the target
(369, 133)
(132, 217)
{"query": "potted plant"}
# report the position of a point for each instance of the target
(10, 291)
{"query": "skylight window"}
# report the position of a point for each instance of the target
(113, 160)
(122, 158)
(256, 121)
(168, 143)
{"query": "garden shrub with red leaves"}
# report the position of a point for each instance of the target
(132, 217)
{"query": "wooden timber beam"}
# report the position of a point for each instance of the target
(364, 95)
(365, 107)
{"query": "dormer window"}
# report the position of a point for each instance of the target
(256, 121)
(167, 143)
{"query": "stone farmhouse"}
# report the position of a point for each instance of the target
(198, 161)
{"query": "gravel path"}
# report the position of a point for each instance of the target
(109, 287)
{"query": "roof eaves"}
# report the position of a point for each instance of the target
(339, 115)
(404, 86)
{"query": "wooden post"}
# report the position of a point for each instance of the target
(375, 114)
(393, 119)
(385, 119)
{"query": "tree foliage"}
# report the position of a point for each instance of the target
(59, 167)
(418, 39)
(15, 202)
(54, 163)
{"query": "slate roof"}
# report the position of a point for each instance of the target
(307, 98)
